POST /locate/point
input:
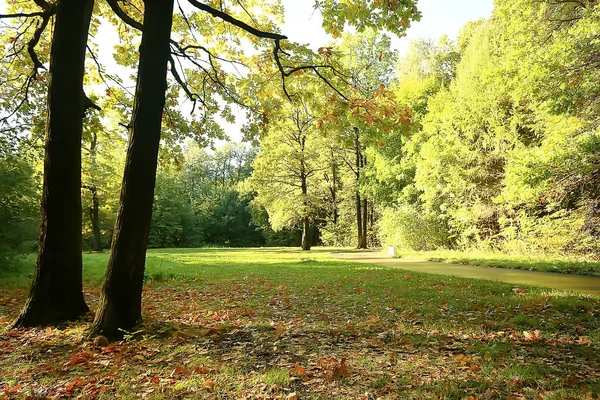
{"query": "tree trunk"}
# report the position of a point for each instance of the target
(95, 219)
(359, 224)
(94, 209)
(365, 217)
(121, 302)
(56, 292)
(360, 216)
(334, 187)
(306, 234)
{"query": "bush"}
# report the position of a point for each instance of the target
(410, 228)
(19, 210)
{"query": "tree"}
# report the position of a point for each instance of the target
(56, 292)
(287, 172)
(121, 300)
(19, 208)
(428, 69)
(102, 163)
(368, 63)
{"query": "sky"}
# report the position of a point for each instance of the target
(439, 17)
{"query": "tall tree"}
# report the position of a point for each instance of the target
(287, 172)
(121, 301)
(56, 292)
(368, 62)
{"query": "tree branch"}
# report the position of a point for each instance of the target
(36, 39)
(114, 5)
(23, 15)
(234, 21)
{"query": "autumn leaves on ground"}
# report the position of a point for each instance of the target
(271, 324)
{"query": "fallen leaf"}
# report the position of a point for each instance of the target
(298, 370)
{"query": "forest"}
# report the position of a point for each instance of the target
(488, 141)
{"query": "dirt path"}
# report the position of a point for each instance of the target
(577, 283)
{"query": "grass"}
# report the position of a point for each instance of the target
(499, 260)
(279, 323)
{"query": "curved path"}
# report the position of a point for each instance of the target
(577, 283)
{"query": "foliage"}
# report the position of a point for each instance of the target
(411, 228)
(503, 147)
(199, 203)
(19, 208)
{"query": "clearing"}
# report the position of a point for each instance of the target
(279, 323)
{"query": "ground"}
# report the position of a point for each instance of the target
(222, 323)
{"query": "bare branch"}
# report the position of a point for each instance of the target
(35, 40)
(102, 74)
(114, 5)
(234, 21)
(23, 15)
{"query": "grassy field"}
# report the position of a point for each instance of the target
(284, 324)
(501, 260)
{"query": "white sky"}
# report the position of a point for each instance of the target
(439, 17)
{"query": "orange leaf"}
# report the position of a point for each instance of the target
(72, 385)
(298, 370)
(14, 389)
(79, 358)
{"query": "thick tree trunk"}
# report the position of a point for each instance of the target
(95, 220)
(56, 292)
(121, 302)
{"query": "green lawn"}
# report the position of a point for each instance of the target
(279, 323)
(499, 260)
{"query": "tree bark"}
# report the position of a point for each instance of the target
(360, 216)
(333, 188)
(95, 219)
(95, 208)
(359, 224)
(121, 302)
(56, 292)
(365, 216)
(306, 234)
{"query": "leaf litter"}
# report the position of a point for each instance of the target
(348, 336)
